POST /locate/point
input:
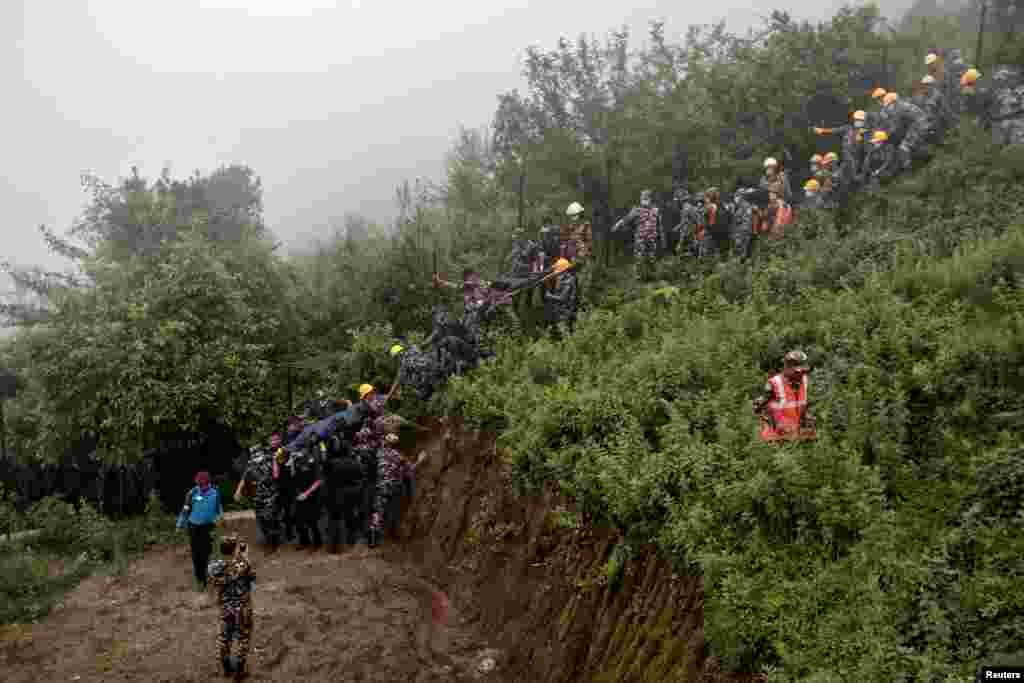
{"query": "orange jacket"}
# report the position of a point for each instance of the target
(786, 410)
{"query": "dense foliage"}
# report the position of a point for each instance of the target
(885, 550)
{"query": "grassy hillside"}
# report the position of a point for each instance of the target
(888, 550)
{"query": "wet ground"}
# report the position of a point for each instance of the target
(358, 616)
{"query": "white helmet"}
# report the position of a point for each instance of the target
(770, 161)
(574, 209)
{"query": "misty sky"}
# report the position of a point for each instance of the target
(332, 102)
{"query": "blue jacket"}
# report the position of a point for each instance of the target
(204, 508)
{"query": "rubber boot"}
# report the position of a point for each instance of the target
(228, 668)
(374, 538)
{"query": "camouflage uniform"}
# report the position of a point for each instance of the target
(561, 303)
(367, 442)
(479, 309)
(233, 579)
(392, 471)
(954, 68)
(644, 221)
(880, 164)
(306, 467)
(452, 353)
(909, 128)
(1007, 112)
(269, 513)
(689, 220)
(419, 370)
(743, 226)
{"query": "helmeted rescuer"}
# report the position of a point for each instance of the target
(577, 236)
(783, 407)
(812, 196)
(561, 301)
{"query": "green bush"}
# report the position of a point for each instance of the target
(885, 550)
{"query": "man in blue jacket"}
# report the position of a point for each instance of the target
(203, 509)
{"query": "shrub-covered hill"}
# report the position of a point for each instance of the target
(890, 549)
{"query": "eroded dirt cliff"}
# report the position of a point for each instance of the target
(538, 586)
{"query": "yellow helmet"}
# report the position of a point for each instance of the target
(574, 209)
(364, 389)
(878, 94)
(931, 59)
(562, 265)
(830, 157)
(816, 159)
(889, 98)
(879, 136)
(860, 115)
(396, 349)
(811, 185)
(928, 80)
(970, 77)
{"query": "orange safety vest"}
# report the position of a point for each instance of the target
(786, 411)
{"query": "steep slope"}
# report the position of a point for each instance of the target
(535, 577)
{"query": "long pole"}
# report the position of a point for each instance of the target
(981, 33)
(3, 431)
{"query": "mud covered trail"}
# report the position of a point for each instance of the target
(362, 615)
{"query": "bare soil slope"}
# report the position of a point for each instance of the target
(318, 617)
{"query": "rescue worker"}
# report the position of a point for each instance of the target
(645, 221)
(480, 305)
(977, 99)
(306, 467)
(344, 480)
(233, 577)
(561, 299)
(812, 198)
(577, 240)
(449, 342)
(783, 407)
(262, 473)
(935, 105)
(690, 227)
(1007, 111)
(367, 441)
(416, 369)
(577, 237)
(526, 260)
(712, 229)
(953, 68)
(909, 129)
(392, 471)
(747, 199)
(880, 163)
(285, 485)
(777, 181)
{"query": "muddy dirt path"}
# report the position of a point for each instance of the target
(358, 616)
